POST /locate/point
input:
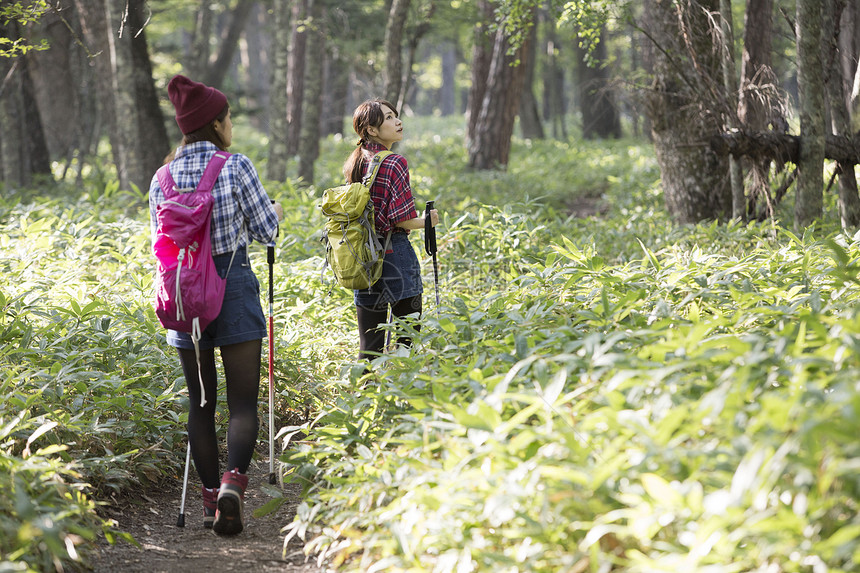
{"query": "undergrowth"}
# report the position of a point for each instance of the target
(592, 394)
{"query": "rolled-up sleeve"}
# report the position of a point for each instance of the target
(394, 192)
(254, 202)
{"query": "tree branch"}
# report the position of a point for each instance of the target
(782, 147)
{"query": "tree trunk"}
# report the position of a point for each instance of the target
(125, 126)
(198, 58)
(228, 43)
(53, 72)
(296, 75)
(730, 85)
(482, 55)
(310, 135)
(694, 180)
(553, 80)
(277, 164)
(448, 91)
(850, 40)
(152, 144)
(393, 88)
(849, 201)
(490, 148)
(406, 91)
(36, 155)
(335, 94)
(11, 116)
(256, 45)
(810, 82)
(530, 122)
(97, 93)
(600, 119)
(757, 103)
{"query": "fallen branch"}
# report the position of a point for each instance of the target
(782, 147)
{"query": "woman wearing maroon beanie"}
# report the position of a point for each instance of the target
(242, 212)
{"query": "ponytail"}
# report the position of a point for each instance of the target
(353, 169)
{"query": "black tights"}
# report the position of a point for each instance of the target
(242, 372)
(371, 338)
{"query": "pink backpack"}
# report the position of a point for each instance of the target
(188, 290)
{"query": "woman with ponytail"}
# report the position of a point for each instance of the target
(399, 289)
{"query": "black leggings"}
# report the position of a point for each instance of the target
(242, 373)
(371, 338)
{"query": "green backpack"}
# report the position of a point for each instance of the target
(352, 248)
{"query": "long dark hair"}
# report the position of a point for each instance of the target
(368, 114)
(205, 133)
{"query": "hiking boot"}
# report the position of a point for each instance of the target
(229, 517)
(210, 505)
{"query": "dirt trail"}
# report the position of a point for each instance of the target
(151, 519)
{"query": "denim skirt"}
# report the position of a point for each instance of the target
(401, 275)
(241, 318)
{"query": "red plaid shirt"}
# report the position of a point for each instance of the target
(390, 192)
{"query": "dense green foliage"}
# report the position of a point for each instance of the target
(593, 393)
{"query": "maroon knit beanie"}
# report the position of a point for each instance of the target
(196, 104)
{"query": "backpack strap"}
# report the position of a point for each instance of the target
(213, 169)
(375, 163)
(207, 183)
(165, 180)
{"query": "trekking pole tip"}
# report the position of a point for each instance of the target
(181, 521)
(272, 479)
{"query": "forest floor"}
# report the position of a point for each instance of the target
(151, 519)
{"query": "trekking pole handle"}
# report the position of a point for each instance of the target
(429, 230)
(270, 251)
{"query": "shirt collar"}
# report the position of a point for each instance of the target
(374, 147)
(196, 147)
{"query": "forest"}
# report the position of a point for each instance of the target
(646, 350)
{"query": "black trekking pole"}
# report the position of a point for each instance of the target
(270, 256)
(430, 248)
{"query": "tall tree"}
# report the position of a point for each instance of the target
(23, 149)
(11, 116)
(296, 74)
(255, 49)
(95, 31)
(448, 90)
(153, 143)
(482, 56)
(128, 155)
(312, 108)
(394, 50)
(730, 85)
(530, 120)
(553, 78)
(237, 20)
(36, 155)
(490, 146)
(336, 91)
(840, 117)
(810, 81)
(414, 36)
(113, 32)
(600, 117)
(58, 70)
(197, 61)
(686, 70)
(759, 103)
(277, 163)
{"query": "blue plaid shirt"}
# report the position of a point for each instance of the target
(240, 200)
